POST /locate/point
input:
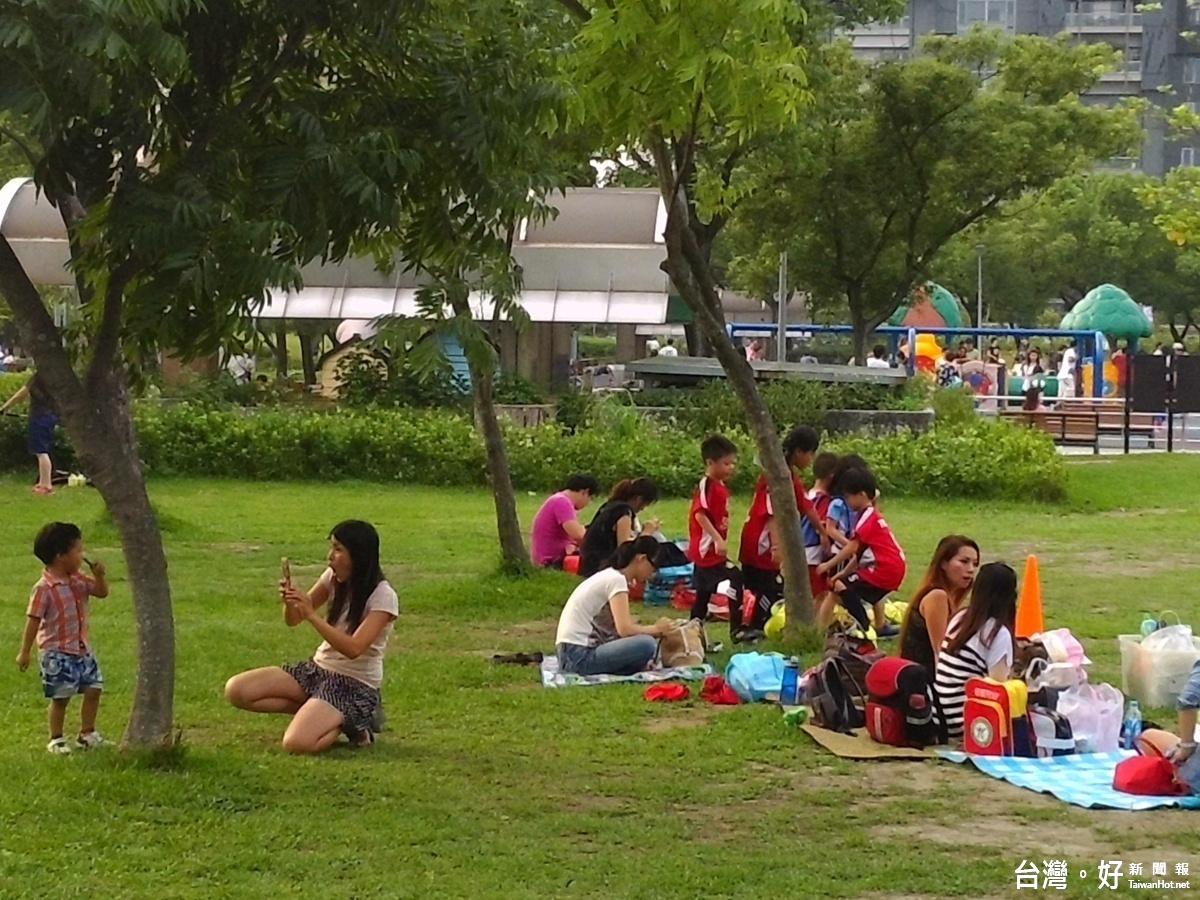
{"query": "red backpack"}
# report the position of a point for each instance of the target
(1154, 776)
(899, 712)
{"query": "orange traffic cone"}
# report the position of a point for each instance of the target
(1029, 608)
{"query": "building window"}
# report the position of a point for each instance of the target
(1187, 156)
(1191, 70)
(989, 13)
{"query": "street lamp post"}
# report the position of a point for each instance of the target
(979, 248)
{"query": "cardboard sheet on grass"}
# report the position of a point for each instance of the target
(858, 745)
(553, 678)
(1083, 779)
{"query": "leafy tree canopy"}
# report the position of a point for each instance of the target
(896, 158)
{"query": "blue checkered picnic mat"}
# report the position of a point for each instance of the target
(1084, 779)
(552, 678)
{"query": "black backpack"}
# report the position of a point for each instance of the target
(832, 704)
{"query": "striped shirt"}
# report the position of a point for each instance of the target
(972, 660)
(61, 605)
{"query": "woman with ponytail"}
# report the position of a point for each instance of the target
(596, 633)
(337, 690)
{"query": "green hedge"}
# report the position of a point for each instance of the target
(978, 459)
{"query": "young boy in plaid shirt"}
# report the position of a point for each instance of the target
(58, 619)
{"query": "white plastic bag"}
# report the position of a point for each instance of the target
(1094, 712)
(1057, 675)
(1173, 637)
(1155, 668)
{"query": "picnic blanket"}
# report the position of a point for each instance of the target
(1084, 779)
(553, 678)
(858, 745)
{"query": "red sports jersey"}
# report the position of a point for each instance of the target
(756, 534)
(713, 497)
(882, 561)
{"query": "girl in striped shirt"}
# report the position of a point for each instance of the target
(978, 643)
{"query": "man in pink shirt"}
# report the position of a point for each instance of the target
(557, 530)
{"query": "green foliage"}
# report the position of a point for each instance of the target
(1081, 232)
(597, 346)
(953, 405)
(510, 387)
(896, 158)
(714, 406)
(375, 379)
(732, 66)
(972, 458)
(980, 458)
(415, 446)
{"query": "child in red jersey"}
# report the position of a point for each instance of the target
(759, 552)
(880, 566)
(816, 544)
(708, 530)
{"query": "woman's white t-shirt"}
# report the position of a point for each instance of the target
(367, 667)
(587, 619)
(972, 660)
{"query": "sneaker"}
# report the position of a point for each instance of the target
(59, 746)
(888, 631)
(90, 740)
(749, 636)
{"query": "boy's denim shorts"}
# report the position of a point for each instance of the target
(65, 674)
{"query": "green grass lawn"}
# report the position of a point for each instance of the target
(486, 784)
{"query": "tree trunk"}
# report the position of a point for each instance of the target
(513, 555)
(281, 351)
(308, 357)
(693, 278)
(861, 327)
(97, 416)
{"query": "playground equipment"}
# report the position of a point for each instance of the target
(1091, 344)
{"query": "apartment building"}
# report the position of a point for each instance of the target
(1159, 46)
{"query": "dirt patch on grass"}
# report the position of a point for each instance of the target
(675, 718)
(1136, 513)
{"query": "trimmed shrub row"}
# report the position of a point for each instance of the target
(977, 458)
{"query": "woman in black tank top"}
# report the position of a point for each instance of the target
(947, 581)
(615, 523)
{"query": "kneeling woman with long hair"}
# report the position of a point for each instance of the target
(337, 690)
(596, 634)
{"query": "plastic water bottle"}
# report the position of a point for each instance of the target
(789, 691)
(1132, 729)
(1149, 624)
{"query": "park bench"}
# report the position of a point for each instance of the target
(1112, 417)
(1066, 428)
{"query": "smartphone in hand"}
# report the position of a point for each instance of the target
(285, 571)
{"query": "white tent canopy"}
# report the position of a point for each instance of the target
(597, 262)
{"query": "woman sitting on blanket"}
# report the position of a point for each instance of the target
(978, 643)
(596, 634)
(946, 583)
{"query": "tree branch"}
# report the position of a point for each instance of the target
(576, 9)
(38, 331)
(22, 145)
